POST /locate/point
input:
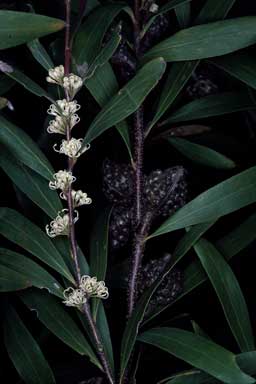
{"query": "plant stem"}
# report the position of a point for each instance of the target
(72, 235)
(138, 242)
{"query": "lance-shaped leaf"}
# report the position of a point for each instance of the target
(19, 27)
(222, 199)
(183, 14)
(5, 84)
(53, 315)
(128, 99)
(229, 293)
(89, 38)
(27, 235)
(240, 65)
(24, 148)
(11, 280)
(26, 82)
(40, 54)
(24, 351)
(208, 40)
(199, 352)
(201, 154)
(178, 76)
(99, 251)
(213, 105)
(214, 10)
(33, 185)
(30, 271)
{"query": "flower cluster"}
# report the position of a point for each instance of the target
(65, 116)
(88, 287)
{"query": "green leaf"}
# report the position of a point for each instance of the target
(25, 81)
(213, 105)
(103, 86)
(178, 76)
(30, 271)
(11, 280)
(133, 323)
(183, 14)
(99, 251)
(89, 38)
(23, 148)
(163, 9)
(127, 100)
(239, 65)
(24, 351)
(229, 293)
(34, 186)
(214, 10)
(27, 235)
(102, 325)
(239, 238)
(53, 315)
(209, 40)
(199, 352)
(40, 54)
(20, 27)
(201, 154)
(220, 200)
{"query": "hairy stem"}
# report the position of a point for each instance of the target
(72, 235)
(138, 241)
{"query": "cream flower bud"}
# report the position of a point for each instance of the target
(60, 225)
(72, 147)
(62, 180)
(60, 124)
(63, 108)
(79, 198)
(72, 84)
(153, 8)
(74, 297)
(55, 75)
(93, 288)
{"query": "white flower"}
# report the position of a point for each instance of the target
(79, 198)
(93, 288)
(72, 84)
(74, 297)
(62, 180)
(55, 75)
(72, 147)
(63, 108)
(60, 124)
(60, 225)
(153, 8)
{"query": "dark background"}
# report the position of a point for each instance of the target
(232, 135)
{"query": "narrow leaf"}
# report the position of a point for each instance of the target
(30, 271)
(34, 186)
(183, 13)
(99, 251)
(11, 280)
(24, 351)
(178, 76)
(19, 27)
(213, 105)
(209, 40)
(220, 200)
(201, 154)
(40, 54)
(53, 315)
(229, 293)
(27, 235)
(214, 10)
(23, 148)
(199, 352)
(127, 100)
(239, 65)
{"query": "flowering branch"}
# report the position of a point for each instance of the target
(65, 118)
